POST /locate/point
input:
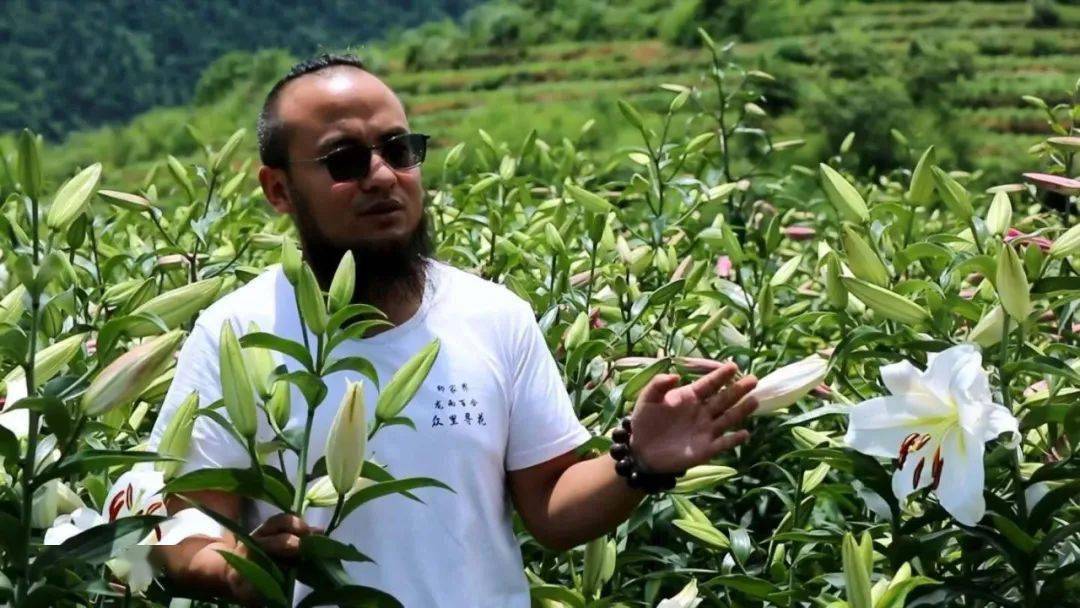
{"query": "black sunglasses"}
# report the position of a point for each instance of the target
(353, 162)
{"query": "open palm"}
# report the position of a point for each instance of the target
(678, 427)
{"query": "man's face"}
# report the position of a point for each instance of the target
(327, 110)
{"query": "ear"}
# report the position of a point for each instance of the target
(274, 188)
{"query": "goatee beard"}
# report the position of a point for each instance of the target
(384, 271)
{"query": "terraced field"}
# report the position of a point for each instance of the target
(558, 88)
(555, 88)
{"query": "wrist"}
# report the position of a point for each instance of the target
(629, 465)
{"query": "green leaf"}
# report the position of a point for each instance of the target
(384, 488)
(98, 544)
(356, 364)
(245, 482)
(1043, 511)
(754, 587)
(557, 593)
(354, 596)
(263, 582)
(317, 546)
(89, 461)
(640, 379)
(279, 344)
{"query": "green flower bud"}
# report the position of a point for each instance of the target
(72, 198)
(48, 361)
(856, 573)
(260, 364)
(405, 382)
(347, 439)
(310, 298)
(236, 388)
(279, 405)
(291, 261)
(123, 380)
(862, 258)
(1067, 244)
(341, 288)
(1012, 284)
(834, 287)
(177, 436)
(922, 179)
(954, 195)
(886, 303)
(843, 196)
(578, 332)
(702, 477)
(999, 216)
(177, 306)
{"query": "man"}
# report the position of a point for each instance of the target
(493, 418)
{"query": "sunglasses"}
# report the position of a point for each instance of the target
(353, 162)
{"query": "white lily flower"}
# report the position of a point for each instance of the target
(137, 492)
(943, 415)
(788, 384)
(687, 598)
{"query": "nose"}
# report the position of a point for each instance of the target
(380, 176)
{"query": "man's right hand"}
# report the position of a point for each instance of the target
(279, 537)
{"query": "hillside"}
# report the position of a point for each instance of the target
(918, 71)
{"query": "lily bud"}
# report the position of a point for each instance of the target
(259, 363)
(922, 180)
(886, 303)
(341, 288)
(599, 565)
(1066, 244)
(702, 477)
(11, 306)
(236, 388)
(834, 287)
(72, 198)
(347, 440)
(1012, 284)
(279, 406)
(999, 216)
(310, 298)
(177, 436)
(788, 384)
(290, 261)
(863, 260)
(405, 382)
(49, 361)
(123, 380)
(856, 574)
(176, 306)
(843, 196)
(987, 332)
(954, 195)
(554, 239)
(688, 510)
(578, 332)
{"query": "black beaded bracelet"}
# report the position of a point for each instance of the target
(627, 466)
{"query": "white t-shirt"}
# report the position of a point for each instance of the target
(493, 402)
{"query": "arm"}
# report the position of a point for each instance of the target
(565, 502)
(195, 565)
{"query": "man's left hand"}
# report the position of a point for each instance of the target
(674, 427)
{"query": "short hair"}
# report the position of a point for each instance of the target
(271, 131)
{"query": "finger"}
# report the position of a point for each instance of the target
(284, 546)
(728, 441)
(730, 395)
(282, 523)
(734, 416)
(707, 385)
(657, 387)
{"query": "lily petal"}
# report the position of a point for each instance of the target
(1000, 420)
(901, 377)
(916, 474)
(878, 426)
(962, 477)
(189, 522)
(942, 367)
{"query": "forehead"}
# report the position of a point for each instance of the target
(325, 107)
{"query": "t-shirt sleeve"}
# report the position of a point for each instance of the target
(212, 446)
(543, 423)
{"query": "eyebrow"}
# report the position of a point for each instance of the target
(341, 138)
